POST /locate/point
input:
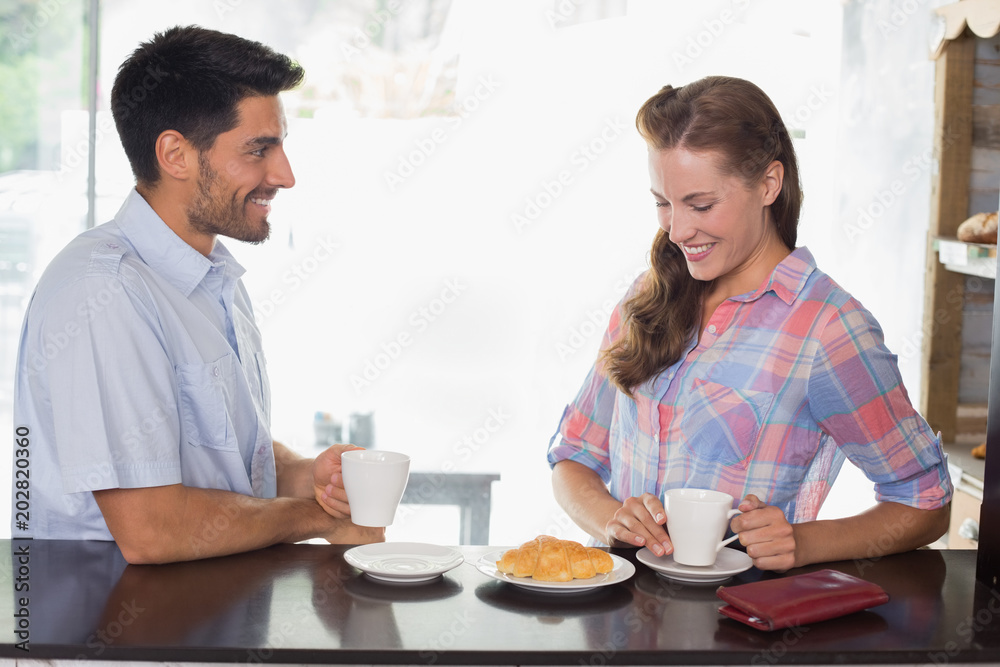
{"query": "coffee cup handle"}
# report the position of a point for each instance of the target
(729, 515)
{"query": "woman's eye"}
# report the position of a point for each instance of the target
(661, 204)
(703, 209)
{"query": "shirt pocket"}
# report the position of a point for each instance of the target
(721, 424)
(202, 392)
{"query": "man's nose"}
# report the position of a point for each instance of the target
(280, 171)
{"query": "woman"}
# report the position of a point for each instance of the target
(735, 364)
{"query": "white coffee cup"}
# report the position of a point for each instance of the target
(697, 520)
(374, 481)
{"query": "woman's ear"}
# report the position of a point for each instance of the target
(177, 158)
(773, 179)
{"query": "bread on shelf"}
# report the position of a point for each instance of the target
(980, 228)
(547, 558)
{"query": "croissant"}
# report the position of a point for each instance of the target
(547, 558)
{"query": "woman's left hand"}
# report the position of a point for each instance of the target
(766, 534)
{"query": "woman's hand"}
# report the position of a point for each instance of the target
(766, 533)
(328, 481)
(639, 523)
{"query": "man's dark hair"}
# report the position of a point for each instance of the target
(190, 79)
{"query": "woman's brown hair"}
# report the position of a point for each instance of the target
(737, 122)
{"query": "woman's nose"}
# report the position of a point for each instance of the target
(677, 228)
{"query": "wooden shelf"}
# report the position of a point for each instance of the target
(974, 259)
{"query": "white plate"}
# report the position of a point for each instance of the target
(403, 562)
(621, 571)
(729, 562)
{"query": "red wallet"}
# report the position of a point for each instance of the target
(799, 599)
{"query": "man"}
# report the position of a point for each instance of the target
(141, 388)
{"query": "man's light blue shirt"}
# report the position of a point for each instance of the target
(140, 365)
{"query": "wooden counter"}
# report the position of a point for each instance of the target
(304, 604)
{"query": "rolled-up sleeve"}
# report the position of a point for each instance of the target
(584, 429)
(857, 396)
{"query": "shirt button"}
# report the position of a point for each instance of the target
(711, 328)
(215, 371)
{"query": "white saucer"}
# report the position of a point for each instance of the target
(621, 571)
(728, 563)
(403, 562)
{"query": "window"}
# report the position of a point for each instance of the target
(43, 178)
(471, 201)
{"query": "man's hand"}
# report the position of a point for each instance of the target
(766, 533)
(328, 485)
(349, 533)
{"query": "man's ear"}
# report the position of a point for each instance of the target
(177, 158)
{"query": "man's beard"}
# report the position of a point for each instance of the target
(210, 213)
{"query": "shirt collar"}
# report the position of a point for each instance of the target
(788, 278)
(165, 252)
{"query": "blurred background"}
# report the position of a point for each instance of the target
(472, 199)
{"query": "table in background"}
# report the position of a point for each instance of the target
(303, 604)
(472, 492)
